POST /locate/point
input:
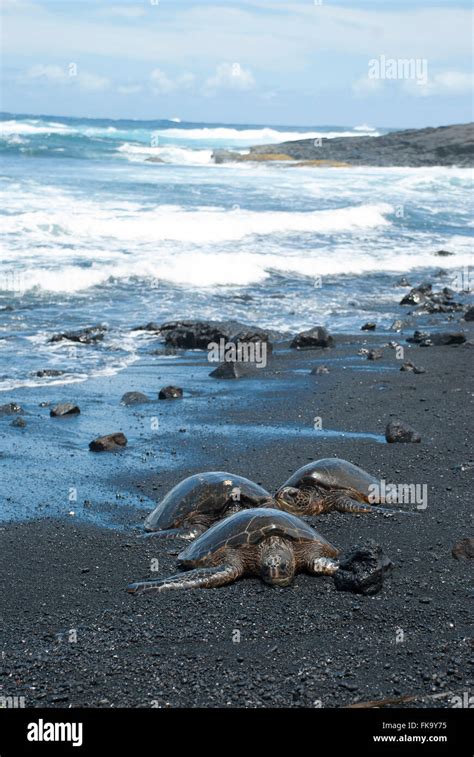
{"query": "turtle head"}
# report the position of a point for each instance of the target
(277, 562)
(290, 499)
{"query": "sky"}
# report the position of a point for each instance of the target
(405, 63)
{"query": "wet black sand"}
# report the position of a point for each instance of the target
(249, 644)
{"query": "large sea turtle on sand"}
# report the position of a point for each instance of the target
(330, 484)
(265, 542)
(199, 500)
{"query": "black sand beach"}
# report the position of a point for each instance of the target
(72, 637)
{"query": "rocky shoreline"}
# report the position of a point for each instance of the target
(441, 146)
(72, 636)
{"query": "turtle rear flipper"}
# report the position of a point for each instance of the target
(200, 578)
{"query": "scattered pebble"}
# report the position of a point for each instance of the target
(399, 431)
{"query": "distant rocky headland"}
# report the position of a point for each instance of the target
(441, 146)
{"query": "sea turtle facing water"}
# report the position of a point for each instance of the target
(199, 500)
(264, 542)
(330, 484)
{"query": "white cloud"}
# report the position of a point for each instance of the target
(92, 82)
(365, 87)
(444, 83)
(124, 11)
(283, 37)
(441, 84)
(229, 76)
(49, 73)
(69, 75)
(129, 89)
(162, 84)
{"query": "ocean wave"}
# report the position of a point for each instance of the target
(253, 136)
(181, 155)
(203, 270)
(31, 128)
(175, 223)
(143, 133)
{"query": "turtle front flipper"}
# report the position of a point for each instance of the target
(200, 578)
(323, 565)
(343, 503)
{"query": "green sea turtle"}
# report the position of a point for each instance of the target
(199, 500)
(265, 542)
(330, 484)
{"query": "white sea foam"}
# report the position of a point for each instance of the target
(181, 155)
(8, 128)
(365, 128)
(174, 223)
(210, 134)
(113, 367)
(253, 136)
(211, 269)
(64, 242)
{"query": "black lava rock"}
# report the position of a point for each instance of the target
(10, 408)
(369, 326)
(363, 570)
(192, 334)
(439, 339)
(89, 335)
(152, 326)
(134, 398)
(399, 431)
(170, 393)
(374, 354)
(18, 423)
(316, 337)
(415, 296)
(64, 408)
(48, 372)
(397, 325)
(108, 443)
(446, 338)
(252, 335)
(411, 367)
(227, 371)
(419, 337)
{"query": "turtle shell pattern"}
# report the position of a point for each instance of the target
(207, 492)
(332, 473)
(248, 527)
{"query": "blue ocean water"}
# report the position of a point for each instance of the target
(93, 231)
